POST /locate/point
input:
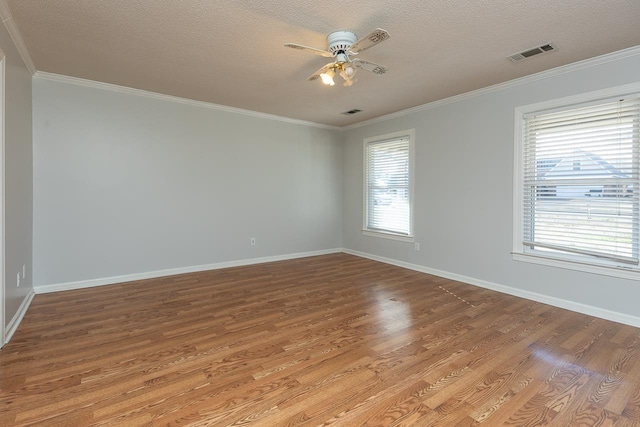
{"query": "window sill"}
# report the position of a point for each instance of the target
(613, 270)
(389, 236)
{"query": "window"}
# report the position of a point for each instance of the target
(388, 185)
(578, 193)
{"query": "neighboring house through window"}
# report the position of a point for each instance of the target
(577, 183)
(388, 185)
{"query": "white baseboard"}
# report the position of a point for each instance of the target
(545, 299)
(57, 287)
(590, 310)
(17, 318)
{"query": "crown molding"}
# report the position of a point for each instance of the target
(16, 36)
(587, 63)
(40, 75)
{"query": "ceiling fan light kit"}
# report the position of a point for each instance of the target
(327, 77)
(342, 45)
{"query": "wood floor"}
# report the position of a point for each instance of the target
(332, 340)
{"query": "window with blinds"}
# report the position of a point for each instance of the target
(580, 182)
(388, 184)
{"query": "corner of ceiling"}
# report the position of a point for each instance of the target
(42, 75)
(586, 63)
(14, 32)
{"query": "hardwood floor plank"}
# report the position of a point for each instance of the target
(334, 340)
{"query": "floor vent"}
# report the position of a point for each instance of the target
(532, 52)
(350, 112)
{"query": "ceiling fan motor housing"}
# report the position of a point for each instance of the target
(340, 41)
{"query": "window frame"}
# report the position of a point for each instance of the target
(561, 260)
(389, 234)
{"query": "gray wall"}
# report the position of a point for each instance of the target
(127, 184)
(464, 191)
(18, 177)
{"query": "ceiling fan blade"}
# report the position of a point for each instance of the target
(376, 36)
(320, 52)
(316, 75)
(369, 66)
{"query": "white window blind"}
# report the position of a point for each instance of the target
(580, 181)
(387, 182)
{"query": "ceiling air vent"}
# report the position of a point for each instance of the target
(350, 112)
(532, 52)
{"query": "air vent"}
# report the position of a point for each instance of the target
(350, 112)
(532, 52)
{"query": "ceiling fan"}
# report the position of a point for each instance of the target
(343, 45)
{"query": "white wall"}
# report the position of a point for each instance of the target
(464, 192)
(18, 180)
(127, 184)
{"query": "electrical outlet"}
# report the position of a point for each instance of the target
(253, 241)
(416, 246)
(18, 280)
(24, 271)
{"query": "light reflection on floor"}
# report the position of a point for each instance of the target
(393, 315)
(564, 366)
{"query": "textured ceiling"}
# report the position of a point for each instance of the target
(231, 52)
